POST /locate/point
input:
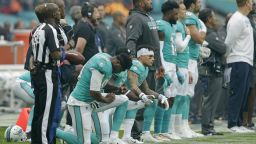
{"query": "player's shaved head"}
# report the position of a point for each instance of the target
(75, 13)
(40, 12)
(51, 11)
(188, 3)
(241, 3)
(136, 3)
(61, 5)
(121, 62)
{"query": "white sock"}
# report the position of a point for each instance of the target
(28, 129)
(105, 137)
(127, 124)
(114, 134)
(146, 132)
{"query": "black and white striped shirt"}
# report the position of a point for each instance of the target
(44, 41)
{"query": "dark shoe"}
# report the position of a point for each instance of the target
(210, 132)
(251, 126)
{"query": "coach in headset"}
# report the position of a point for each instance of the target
(87, 41)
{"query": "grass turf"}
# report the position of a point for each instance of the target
(227, 138)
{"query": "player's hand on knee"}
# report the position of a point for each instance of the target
(147, 99)
(109, 98)
(163, 101)
(123, 89)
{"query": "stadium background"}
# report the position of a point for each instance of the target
(12, 58)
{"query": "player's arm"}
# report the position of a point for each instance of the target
(180, 43)
(95, 86)
(133, 78)
(163, 99)
(110, 87)
(161, 35)
(161, 42)
(80, 45)
(197, 36)
(132, 96)
(145, 88)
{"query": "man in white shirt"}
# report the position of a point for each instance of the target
(239, 54)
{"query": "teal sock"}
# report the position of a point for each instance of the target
(28, 89)
(149, 114)
(131, 114)
(175, 106)
(119, 116)
(185, 113)
(158, 119)
(94, 139)
(166, 120)
(97, 125)
(70, 138)
(31, 115)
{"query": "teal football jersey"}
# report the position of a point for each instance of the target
(192, 19)
(169, 49)
(120, 78)
(140, 70)
(100, 62)
(167, 82)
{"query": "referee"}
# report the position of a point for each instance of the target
(45, 78)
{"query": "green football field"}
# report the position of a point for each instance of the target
(227, 138)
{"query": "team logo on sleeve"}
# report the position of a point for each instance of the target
(135, 68)
(101, 64)
(188, 13)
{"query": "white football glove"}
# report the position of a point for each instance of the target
(164, 100)
(147, 99)
(205, 52)
(168, 92)
(205, 44)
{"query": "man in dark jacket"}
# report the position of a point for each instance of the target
(212, 71)
(117, 34)
(141, 28)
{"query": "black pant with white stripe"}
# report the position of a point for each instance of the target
(47, 111)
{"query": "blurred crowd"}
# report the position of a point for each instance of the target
(15, 6)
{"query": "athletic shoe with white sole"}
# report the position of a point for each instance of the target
(147, 137)
(236, 129)
(161, 138)
(171, 136)
(246, 129)
(130, 140)
(116, 141)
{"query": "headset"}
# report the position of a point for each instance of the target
(87, 9)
